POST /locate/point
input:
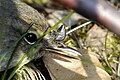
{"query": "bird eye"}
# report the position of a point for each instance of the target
(30, 38)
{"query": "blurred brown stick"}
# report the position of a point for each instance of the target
(96, 10)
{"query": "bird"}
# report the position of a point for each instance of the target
(22, 42)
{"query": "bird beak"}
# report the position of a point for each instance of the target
(65, 51)
(62, 49)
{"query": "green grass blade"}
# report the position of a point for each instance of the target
(2, 57)
(63, 19)
(38, 41)
(13, 53)
(118, 70)
(76, 28)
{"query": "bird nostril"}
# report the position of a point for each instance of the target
(61, 33)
